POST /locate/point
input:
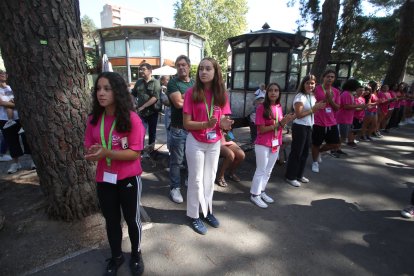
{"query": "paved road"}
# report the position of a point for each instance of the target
(344, 222)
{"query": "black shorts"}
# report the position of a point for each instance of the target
(328, 134)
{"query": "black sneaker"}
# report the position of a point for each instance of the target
(136, 264)
(113, 265)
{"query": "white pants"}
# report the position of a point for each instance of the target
(265, 160)
(202, 161)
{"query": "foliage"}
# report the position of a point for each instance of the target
(215, 20)
(193, 71)
(90, 38)
(88, 31)
(370, 37)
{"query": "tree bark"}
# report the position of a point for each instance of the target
(42, 47)
(403, 46)
(330, 13)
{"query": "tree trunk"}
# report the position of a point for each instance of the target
(42, 47)
(330, 13)
(403, 46)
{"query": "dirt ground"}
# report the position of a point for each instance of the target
(29, 239)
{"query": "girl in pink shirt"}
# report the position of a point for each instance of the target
(345, 115)
(359, 115)
(114, 138)
(384, 99)
(204, 110)
(370, 120)
(270, 122)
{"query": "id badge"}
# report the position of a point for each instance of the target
(110, 177)
(328, 110)
(211, 135)
(275, 143)
(124, 142)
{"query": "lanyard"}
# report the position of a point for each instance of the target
(276, 115)
(109, 147)
(309, 98)
(209, 114)
(324, 91)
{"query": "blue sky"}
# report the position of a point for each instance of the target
(274, 12)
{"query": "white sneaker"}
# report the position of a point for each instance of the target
(315, 167)
(9, 123)
(5, 158)
(176, 195)
(293, 182)
(258, 201)
(410, 121)
(266, 198)
(303, 180)
(319, 158)
(14, 167)
(21, 131)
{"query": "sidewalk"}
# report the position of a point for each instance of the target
(344, 222)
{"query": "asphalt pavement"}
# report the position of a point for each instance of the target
(346, 221)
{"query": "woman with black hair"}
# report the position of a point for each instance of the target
(345, 114)
(304, 105)
(270, 122)
(114, 138)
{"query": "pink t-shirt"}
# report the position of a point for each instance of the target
(398, 95)
(325, 117)
(198, 112)
(134, 140)
(359, 114)
(265, 139)
(382, 98)
(345, 116)
(373, 99)
(393, 95)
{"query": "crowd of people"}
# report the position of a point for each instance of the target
(325, 119)
(198, 126)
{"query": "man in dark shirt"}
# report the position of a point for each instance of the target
(176, 89)
(147, 98)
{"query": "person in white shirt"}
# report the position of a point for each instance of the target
(11, 134)
(261, 91)
(304, 105)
